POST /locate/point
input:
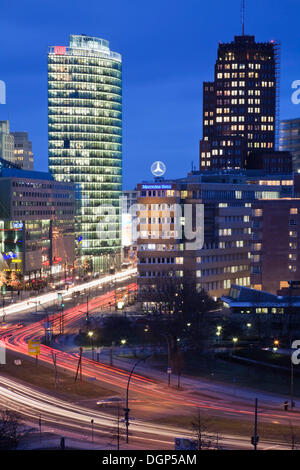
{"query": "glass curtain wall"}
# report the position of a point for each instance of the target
(85, 142)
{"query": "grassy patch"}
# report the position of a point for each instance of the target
(240, 427)
(265, 356)
(223, 368)
(43, 377)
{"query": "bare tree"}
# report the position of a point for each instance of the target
(182, 314)
(204, 437)
(118, 432)
(11, 430)
(293, 438)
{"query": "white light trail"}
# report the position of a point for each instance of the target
(52, 296)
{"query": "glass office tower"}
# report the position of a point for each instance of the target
(290, 140)
(85, 142)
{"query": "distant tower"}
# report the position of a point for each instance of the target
(239, 106)
(6, 143)
(23, 150)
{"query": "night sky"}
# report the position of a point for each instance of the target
(169, 48)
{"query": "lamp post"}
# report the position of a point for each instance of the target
(87, 309)
(127, 394)
(90, 334)
(48, 327)
(218, 333)
(234, 340)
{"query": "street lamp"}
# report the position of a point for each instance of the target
(123, 341)
(234, 340)
(127, 395)
(90, 334)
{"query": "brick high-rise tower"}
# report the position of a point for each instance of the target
(239, 106)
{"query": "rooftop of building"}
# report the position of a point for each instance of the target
(240, 296)
(292, 120)
(248, 40)
(224, 177)
(14, 172)
(84, 45)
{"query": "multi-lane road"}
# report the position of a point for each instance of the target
(153, 394)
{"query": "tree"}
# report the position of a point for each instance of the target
(87, 265)
(3, 279)
(11, 430)
(181, 316)
(293, 438)
(205, 439)
(118, 433)
(115, 328)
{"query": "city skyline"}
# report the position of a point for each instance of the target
(169, 93)
(150, 257)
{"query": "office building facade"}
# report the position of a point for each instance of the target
(289, 140)
(224, 258)
(239, 106)
(6, 143)
(23, 155)
(275, 244)
(36, 225)
(85, 141)
(129, 218)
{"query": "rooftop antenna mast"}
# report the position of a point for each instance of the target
(243, 17)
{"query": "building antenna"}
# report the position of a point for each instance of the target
(243, 17)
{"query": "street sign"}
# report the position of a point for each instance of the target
(34, 347)
(169, 370)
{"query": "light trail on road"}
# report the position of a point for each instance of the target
(52, 296)
(16, 338)
(33, 404)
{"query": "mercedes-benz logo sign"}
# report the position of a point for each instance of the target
(158, 168)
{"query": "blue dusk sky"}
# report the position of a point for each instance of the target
(169, 48)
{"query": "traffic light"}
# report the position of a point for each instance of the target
(253, 440)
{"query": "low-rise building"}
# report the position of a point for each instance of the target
(275, 243)
(36, 224)
(242, 300)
